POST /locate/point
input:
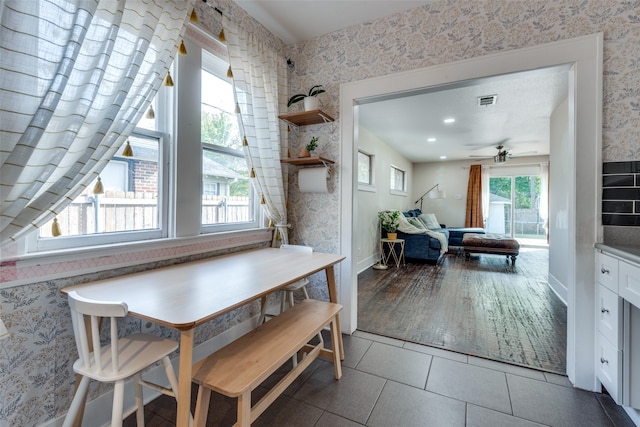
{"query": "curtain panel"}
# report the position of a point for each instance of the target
(76, 77)
(259, 78)
(474, 216)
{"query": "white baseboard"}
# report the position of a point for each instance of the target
(98, 411)
(366, 263)
(634, 414)
(559, 289)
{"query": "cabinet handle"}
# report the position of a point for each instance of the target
(604, 310)
(604, 271)
(603, 360)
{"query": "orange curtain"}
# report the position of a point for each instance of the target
(474, 198)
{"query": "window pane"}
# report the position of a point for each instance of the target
(226, 193)
(130, 199)
(397, 179)
(364, 168)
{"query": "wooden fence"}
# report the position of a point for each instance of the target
(117, 211)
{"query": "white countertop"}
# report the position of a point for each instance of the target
(629, 253)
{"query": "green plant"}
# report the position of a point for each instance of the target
(314, 91)
(390, 220)
(312, 145)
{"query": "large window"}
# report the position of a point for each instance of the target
(137, 201)
(227, 197)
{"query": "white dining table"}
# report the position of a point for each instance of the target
(184, 296)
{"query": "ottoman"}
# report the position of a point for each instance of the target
(495, 244)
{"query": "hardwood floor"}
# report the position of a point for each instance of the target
(481, 306)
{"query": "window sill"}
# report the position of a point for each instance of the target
(35, 267)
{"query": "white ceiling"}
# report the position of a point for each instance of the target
(293, 21)
(519, 120)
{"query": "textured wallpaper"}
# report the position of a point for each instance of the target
(453, 30)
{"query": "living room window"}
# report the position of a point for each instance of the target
(398, 180)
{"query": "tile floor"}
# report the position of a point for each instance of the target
(388, 383)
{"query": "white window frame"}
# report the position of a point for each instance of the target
(392, 171)
(35, 244)
(370, 186)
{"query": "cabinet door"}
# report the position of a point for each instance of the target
(609, 315)
(607, 271)
(609, 367)
(630, 283)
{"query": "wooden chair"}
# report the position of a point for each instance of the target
(287, 293)
(118, 360)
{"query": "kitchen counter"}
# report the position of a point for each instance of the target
(628, 253)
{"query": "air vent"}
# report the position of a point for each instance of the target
(483, 101)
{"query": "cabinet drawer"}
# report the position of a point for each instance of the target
(609, 367)
(629, 283)
(607, 271)
(609, 315)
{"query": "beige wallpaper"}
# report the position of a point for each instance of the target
(452, 30)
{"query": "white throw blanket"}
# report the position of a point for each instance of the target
(408, 228)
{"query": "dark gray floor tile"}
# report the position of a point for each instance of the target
(354, 348)
(352, 397)
(507, 368)
(469, 383)
(558, 379)
(435, 351)
(288, 412)
(615, 412)
(554, 405)
(395, 363)
(478, 416)
(379, 338)
(332, 420)
(402, 405)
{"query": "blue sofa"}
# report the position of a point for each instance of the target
(427, 248)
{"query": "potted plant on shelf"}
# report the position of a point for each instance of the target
(310, 99)
(390, 220)
(312, 145)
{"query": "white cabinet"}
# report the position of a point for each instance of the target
(617, 285)
(629, 282)
(607, 271)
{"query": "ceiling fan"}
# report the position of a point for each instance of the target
(501, 157)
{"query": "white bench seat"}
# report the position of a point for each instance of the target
(238, 368)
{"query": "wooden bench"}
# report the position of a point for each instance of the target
(238, 368)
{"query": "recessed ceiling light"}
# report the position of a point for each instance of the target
(443, 157)
(431, 140)
(449, 120)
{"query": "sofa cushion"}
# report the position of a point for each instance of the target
(430, 221)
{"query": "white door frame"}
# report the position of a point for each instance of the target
(584, 54)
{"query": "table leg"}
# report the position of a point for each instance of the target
(184, 378)
(333, 297)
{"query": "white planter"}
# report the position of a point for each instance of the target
(310, 103)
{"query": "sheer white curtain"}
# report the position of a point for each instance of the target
(259, 77)
(75, 78)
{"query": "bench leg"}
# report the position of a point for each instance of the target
(244, 409)
(513, 260)
(202, 407)
(335, 340)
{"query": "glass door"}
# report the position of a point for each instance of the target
(514, 208)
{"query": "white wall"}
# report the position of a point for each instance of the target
(378, 197)
(559, 187)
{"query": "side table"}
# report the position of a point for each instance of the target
(398, 257)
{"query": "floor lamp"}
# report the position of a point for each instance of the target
(437, 194)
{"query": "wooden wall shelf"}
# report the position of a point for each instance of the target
(307, 161)
(306, 118)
